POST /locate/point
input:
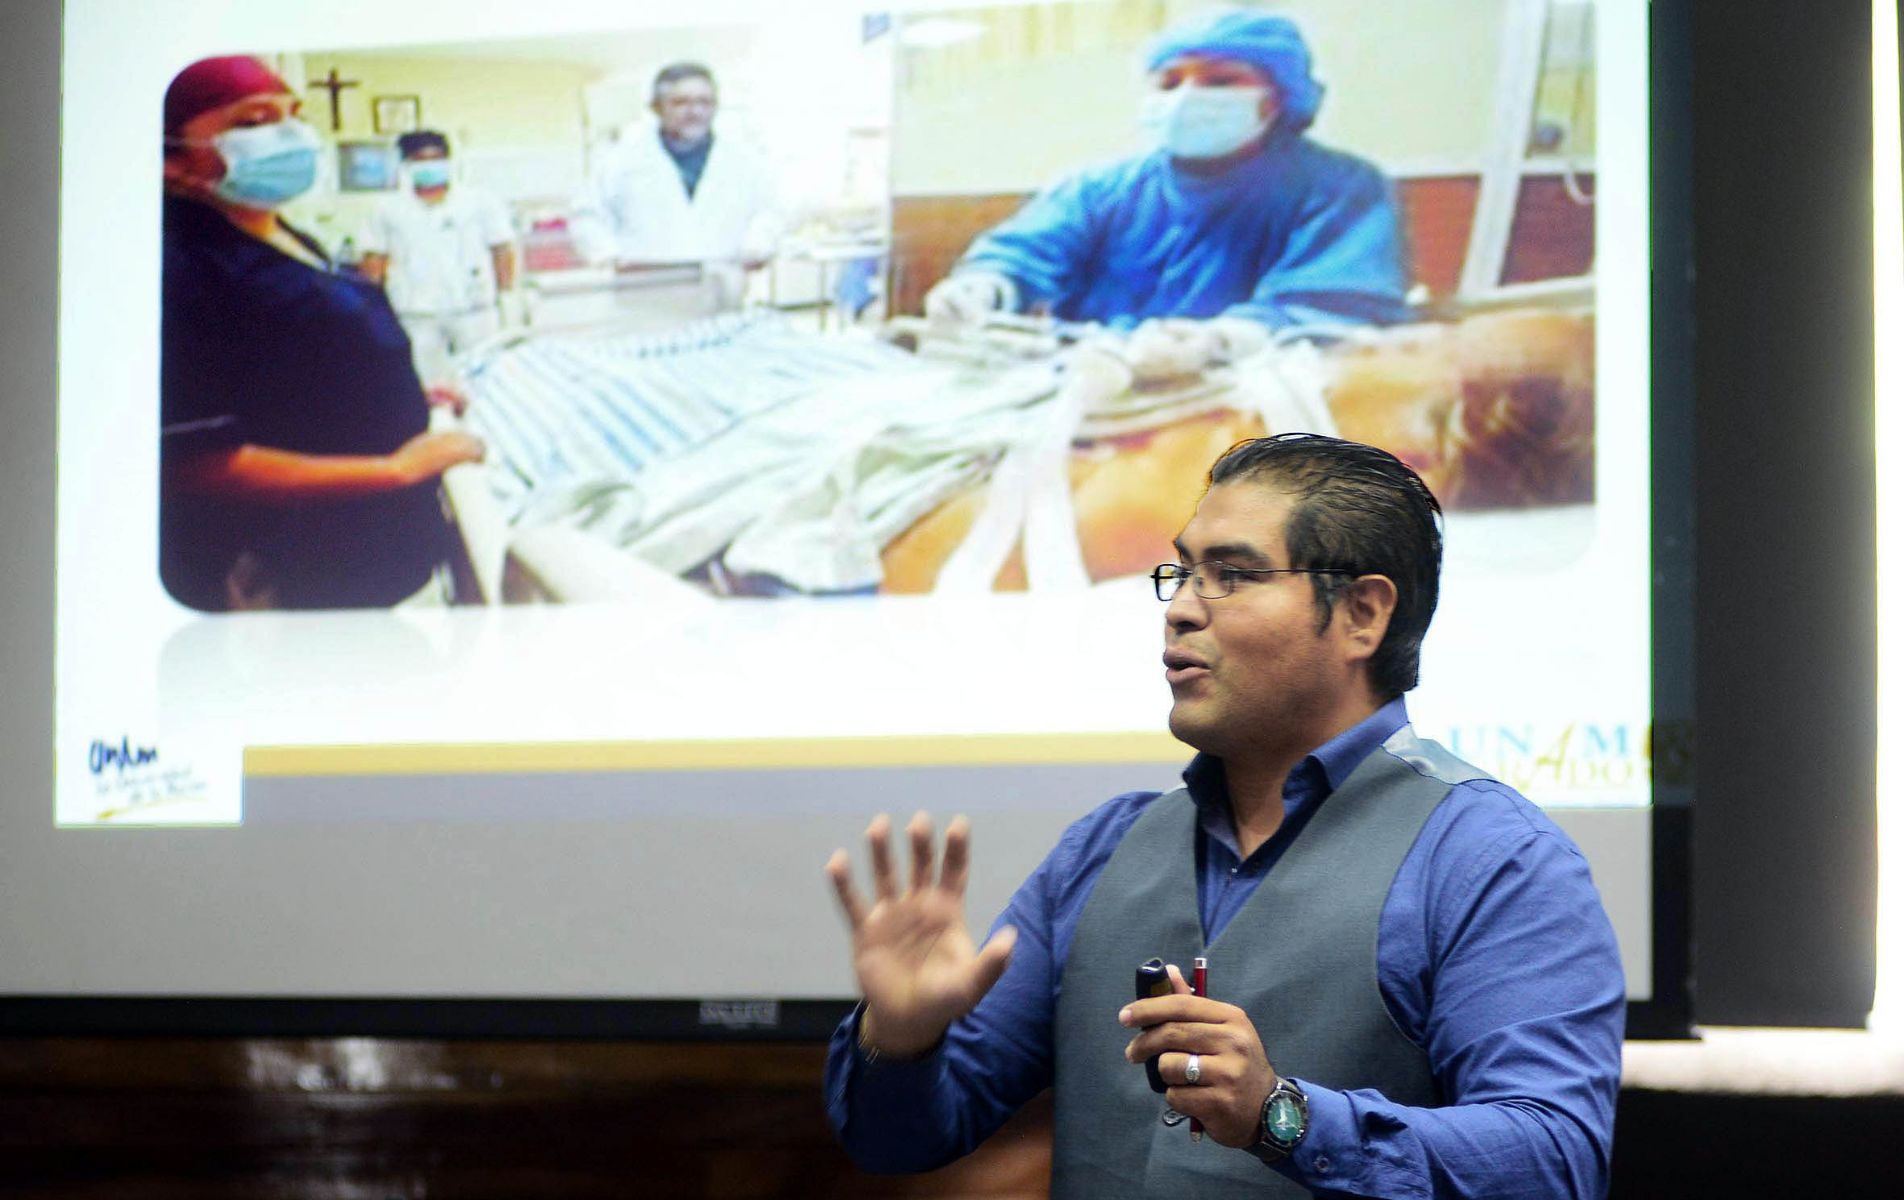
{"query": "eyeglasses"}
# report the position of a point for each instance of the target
(1215, 580)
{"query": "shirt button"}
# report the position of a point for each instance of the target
(1322, 1164)
(1234, 870)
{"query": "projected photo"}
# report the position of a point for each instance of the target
(648, 313)
(597, 375)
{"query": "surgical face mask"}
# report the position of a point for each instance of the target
(429, 172)
(1191, 121)
(266, 165)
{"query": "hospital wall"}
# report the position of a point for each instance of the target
(1061, 82)
(514, 122)
(765, 77)
(1065, 81)
(524, 117)
(982, 124)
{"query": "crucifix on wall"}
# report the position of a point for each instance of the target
(334, 85)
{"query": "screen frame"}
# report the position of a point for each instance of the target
(1667, 1014)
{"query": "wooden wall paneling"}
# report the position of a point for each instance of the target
(1437, 218)
(1552, 234)
(929, 235)
(367, 1119)
(931, 232)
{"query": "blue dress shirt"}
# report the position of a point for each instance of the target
(1493, 953)
(690, 159)
(1294, 234)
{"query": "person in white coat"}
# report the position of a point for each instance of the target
(679, 193)
(444, 254)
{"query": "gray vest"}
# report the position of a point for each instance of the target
(1299, 958)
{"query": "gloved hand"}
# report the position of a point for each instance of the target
(966, 298)
(1238, 338)
(1168, 347)
(447, 396)
(512, 309)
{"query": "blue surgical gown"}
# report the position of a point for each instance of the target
(1294, 234)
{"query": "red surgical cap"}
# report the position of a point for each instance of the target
(215, 82)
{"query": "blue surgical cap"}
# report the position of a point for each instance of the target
(1272, 44)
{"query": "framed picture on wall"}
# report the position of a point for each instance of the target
(396, 114)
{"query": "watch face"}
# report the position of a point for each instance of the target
(1284, 1119)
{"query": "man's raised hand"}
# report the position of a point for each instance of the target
(917, 965)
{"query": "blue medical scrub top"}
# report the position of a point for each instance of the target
(260, 349)
(1295, 234)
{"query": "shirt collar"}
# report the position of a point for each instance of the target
(1341, 754)
(687, 149)
(1320, 772)
(211, 232)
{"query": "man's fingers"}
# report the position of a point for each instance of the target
(1141, 1014)
(1175, 1068)
(919, 833)
(958, 845)
(839, 869)
(878, 842)
(992, 960)
(1179, 1036)
(1178, 985)
(1193, 1101)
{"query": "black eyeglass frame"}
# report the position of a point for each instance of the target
(1181, 571)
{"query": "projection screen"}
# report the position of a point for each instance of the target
(755, 549)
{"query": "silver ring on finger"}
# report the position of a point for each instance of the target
(1193, 1068)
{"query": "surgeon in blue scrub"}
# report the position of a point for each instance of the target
(1236, 219)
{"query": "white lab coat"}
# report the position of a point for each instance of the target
(441, 276)
(636, 210)
(441, 254)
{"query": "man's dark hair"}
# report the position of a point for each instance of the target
(1360, 510)
(411, 144)
(676, 72)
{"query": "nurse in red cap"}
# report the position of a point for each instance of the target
(298, 469)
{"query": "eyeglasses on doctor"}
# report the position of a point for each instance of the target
(1214, 580)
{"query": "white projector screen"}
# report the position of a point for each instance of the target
(621, 784)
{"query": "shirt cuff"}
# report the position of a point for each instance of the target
(1330, 1153)
(1335, 1157)
(868, 1064)
(201, 435)
(1272, 319)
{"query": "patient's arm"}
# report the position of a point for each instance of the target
(286, 477)
(1131, 495)
(1495, 411)
(503, 260)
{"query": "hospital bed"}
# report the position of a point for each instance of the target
(746, 454)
